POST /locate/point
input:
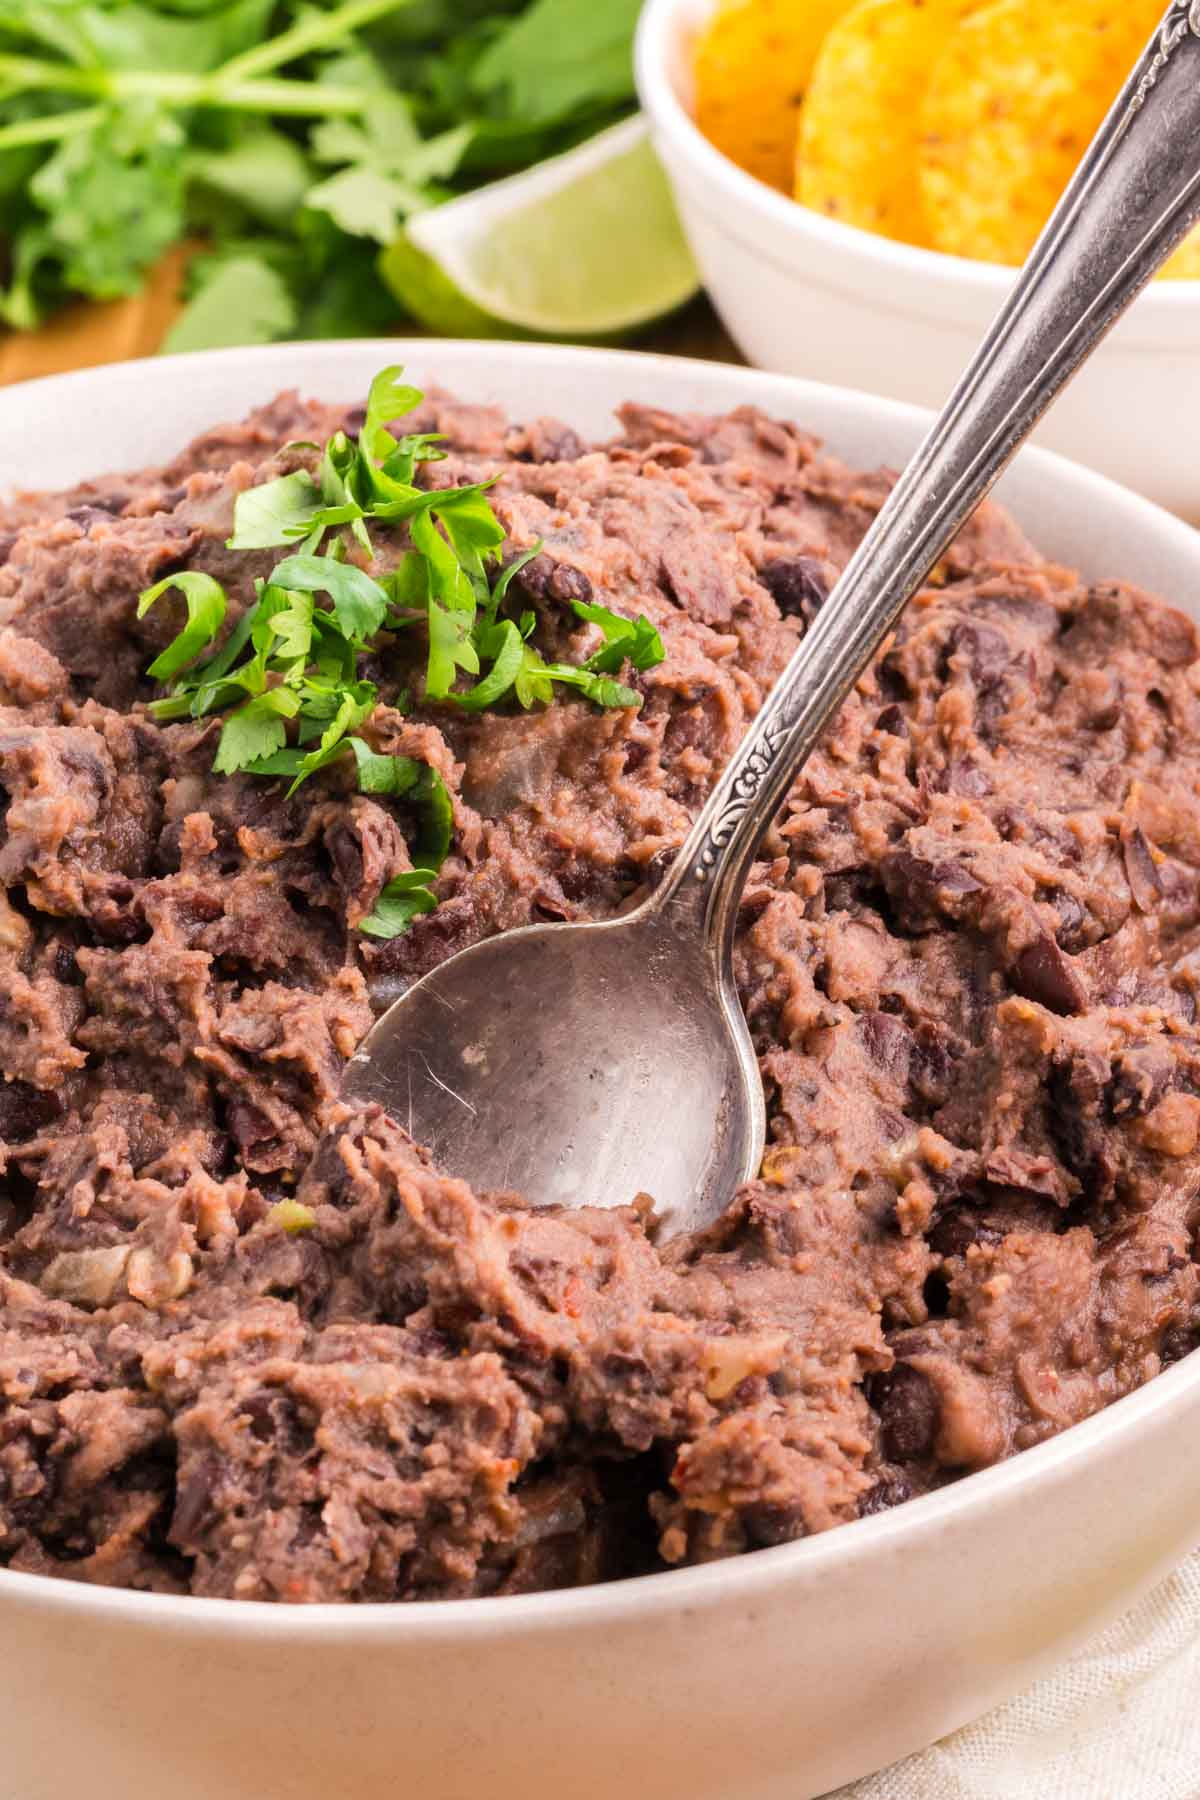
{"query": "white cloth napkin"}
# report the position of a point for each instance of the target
(1119, 1722)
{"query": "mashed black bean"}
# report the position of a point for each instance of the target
(969, 957)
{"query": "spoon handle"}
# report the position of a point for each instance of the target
(1133, 198)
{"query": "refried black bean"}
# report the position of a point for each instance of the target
(303, 1363)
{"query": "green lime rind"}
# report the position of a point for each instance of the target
(431, 298)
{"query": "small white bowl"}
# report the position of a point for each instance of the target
(773, 1676)
(806, 295)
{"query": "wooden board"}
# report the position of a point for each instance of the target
(84, 335)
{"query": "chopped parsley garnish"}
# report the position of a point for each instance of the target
(287, 678)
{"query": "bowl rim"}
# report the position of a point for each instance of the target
(696, 1589)
(735, 189)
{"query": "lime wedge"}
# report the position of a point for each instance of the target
(432, 299)
(584, 245)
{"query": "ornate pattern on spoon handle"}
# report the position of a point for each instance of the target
(747, 785)
(1184, 16)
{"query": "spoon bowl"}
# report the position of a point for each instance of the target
(578, 1065)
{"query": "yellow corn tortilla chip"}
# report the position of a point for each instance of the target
(860, 132)
(1012, 104)
(1185, 264)
(752, 67)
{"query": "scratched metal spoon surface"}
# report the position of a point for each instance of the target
(585, 1063)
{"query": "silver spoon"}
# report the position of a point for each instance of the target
(583, 1064)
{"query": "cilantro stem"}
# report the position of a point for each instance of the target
(312, 33)
(231, 84)
(297, 98)
(51, 127)
(18, 73)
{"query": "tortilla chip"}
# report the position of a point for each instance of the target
(860, 133)
(1185, 264)
(752, 68)
(1013, 102)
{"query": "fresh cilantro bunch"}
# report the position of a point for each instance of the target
(294, 136)
(287, 677)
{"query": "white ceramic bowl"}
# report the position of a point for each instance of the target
(809, 296)
(772, 1677)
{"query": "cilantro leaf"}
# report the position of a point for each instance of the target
(633, 640)
(560, 56)
(292, 626)
(536, 679)
(472, 528)
(450, 649)
(134, 36)
(448, 581)
(431, 797)
(509, 573)
(255, 730)
(391, 170)
(240, 300)
(262, 172)
(359, 603)
(338, 479)
(507, 648)
(417, 447)
(112, 200)
(408, 584)
(379, 774)
(355, 705)
(206, 604)
(365, 202)
(275, 512)
(601, 690)
(389, 398)
(403, 899)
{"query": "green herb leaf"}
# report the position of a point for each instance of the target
(359, 603)
(134, 36)
(633, 640)
(378, 774)
(112, 200)
(431, 797)
(448, 580)
(417, 447)
(292, 627)
(255, 730)
(472, 527)
(391, 170)
(560, 56)
(601, 690)
(356, 704)
(507, 648)
(389, 398)
(274, 513)
(509, 572)
(242, 300)
(403, 899)
(450, 649)
(206, 604)
(262, 172)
